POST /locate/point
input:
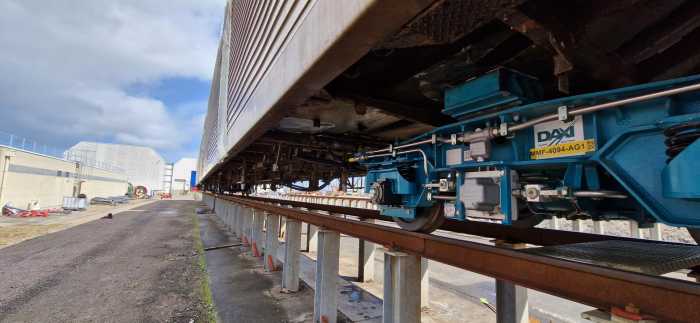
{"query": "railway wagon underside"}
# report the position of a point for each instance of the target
(510, 111)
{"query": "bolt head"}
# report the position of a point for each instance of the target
(532, 193)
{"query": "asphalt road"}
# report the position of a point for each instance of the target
(140, 266)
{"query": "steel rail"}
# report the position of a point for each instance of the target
(667, 299)
(535, 236)
(335, 197)
(607, 105)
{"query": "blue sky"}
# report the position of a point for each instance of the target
(128, 71)
(186, 98)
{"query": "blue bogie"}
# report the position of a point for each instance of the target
(610, 163)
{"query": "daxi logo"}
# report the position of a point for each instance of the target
(556, 132)
(556, 135)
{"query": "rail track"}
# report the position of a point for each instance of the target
(664, 298)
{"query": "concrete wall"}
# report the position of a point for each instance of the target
(27, 176)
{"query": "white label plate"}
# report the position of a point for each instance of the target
(557, 132)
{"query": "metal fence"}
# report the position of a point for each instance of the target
(80, 157)
(656, 232)
(31, 145)
(19, 142)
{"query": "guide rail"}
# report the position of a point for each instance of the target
(605, 288)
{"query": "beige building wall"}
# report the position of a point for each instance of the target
(103, 183)
(27, 177)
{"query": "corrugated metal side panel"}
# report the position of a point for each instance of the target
(296, 39)
(269, 47)
(209, 146)
(211, 149)
(254, 34)
(224, 77)
(267, 30)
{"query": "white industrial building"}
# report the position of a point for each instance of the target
(29, 179)
(182, 175)
(143, 165)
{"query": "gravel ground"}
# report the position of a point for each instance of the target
(140, 266)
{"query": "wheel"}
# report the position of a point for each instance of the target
(526, 218)
(695, 233)
(427, 219)
(529, 221)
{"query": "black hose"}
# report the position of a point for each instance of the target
(306, 189)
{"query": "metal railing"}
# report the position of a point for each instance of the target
(363, 201)
(23, 143)
(338, 200)
(31, 145)
(85, 161)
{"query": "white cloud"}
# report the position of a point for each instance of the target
(65, 67)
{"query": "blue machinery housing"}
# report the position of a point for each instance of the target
(626, 153)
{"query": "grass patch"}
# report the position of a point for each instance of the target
(209, 314)
(14, 234)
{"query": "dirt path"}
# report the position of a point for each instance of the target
(16, 230)
(141, 266)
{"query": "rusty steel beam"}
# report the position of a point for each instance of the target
(665, 34)
(667, 299)
(675, 61)
(606, 67)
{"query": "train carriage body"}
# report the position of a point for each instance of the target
(511, 111)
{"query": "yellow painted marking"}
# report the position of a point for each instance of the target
(572, 148)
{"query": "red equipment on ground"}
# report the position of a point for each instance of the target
(8, 210)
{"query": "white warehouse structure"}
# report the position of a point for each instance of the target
(182, 175)
(143, 165)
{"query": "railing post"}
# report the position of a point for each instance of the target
(634, 229)
(576, 226)
(327, 263)
(599, 227)
(402, 283)
(655, 232)
(247, 224)
(367, 252)
(313, 238)
(511, 299)
(554, 223)
(271, 241)
(256, 233)
(292, 244)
